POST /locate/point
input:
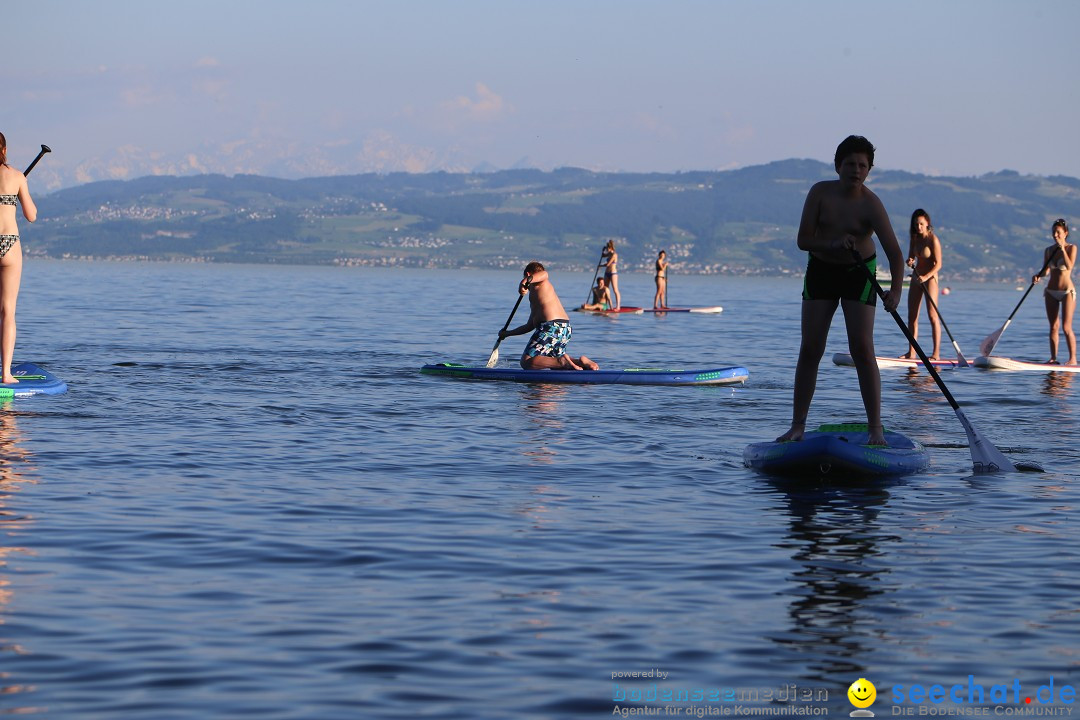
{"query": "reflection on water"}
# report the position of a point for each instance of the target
(834, 537)
(926, 390)
(13, 467)
(1057, 384)
(543, 407)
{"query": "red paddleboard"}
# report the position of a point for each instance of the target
(624, 309)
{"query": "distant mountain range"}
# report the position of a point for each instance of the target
(738, 221)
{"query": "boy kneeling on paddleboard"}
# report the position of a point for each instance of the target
(547, 318)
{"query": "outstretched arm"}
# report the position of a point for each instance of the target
(28, 207)
(521, 329)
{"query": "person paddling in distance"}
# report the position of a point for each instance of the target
(601, 295)
(611, 271)
(839, 217)
(924, 258)
(550, 326)
(13, 188)
(660, 300)
(1060, 293)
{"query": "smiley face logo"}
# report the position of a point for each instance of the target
(862, 693)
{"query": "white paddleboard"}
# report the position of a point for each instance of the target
(1000, 363)
(710, 309)
(888, 362)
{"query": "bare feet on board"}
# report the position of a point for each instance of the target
(794, 434)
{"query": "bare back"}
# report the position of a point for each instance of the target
(544, 303)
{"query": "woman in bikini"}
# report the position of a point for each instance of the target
(660, 300)
(924, 258)
(1060, 293)
(611, 271)
(13, 189)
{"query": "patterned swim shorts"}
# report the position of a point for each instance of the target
(549, 339)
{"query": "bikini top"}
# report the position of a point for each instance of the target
(1058, 263)
(8, 199)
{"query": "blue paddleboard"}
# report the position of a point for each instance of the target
(629, 376)
(838, 449)
(33, 380)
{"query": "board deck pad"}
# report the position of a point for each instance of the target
(629, 376)
(838, 449)
(33, 380)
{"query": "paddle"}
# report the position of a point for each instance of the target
(494, 358)
(44, 149)
(990, 341)
(926, 293)
(588, 297)
(984, 455)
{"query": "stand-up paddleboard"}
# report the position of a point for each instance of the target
(33, 380)
(838, 449)
(625, 309)
(711, 309)
(888, 362)
(999, 363)
(629, 376)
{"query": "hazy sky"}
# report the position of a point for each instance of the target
(127, 88)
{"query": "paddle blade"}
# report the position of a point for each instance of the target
(494, 357)
(988, 343)
(984, 455)
(960, 356)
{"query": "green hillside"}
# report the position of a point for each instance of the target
(739, 221)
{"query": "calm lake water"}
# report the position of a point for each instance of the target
(251, 504)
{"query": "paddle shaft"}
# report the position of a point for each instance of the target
(984, 455)
(929, 299)
(508, 319)
(512, 313)
(588, 297)
(1032, 285)
(44, 149)
(907, 333)
(991, 340)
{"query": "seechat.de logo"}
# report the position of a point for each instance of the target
(862, 695)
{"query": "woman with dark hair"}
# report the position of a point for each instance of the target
(13, 190)
(1060, 293)
(660, 299)
(924, 258)
(611, 271)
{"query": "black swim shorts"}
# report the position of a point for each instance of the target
(827, 281)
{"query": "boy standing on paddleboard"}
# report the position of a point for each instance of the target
(839, 219)
(547, 346)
